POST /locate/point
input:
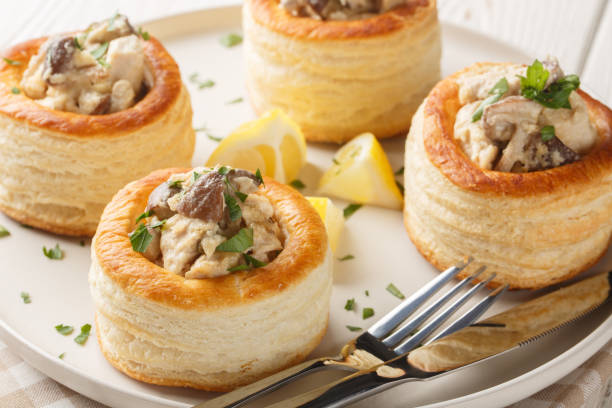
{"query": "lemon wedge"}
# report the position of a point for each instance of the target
(361, 173)
(332, 218)
(273, 143)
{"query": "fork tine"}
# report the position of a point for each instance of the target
(415, 322)
(414, 340)
(389, 321)
(471, 315)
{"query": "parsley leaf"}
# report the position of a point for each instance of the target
(399, 186)
(82, 243)
(223, 170)
(256, 263)
(234, 209)
(367, 312)
(26, 297)
(53, 253)
(196, 175)
(234, 101)
(556, 95)
(392, 289)
(242, 196)
(64, 330)
(241, 267)
(61, 356)
(140, 238)
(176, 184)
(548, 133)
(350, 304)
(230, 40)
(297, 184)
(11, 62)
(144, 34)
(84, 335)
(77, 44)
(144, 215)
(346, 258)
(15, 90)
(400, 171)
(259, 178)
(336, 162)
(350, 209)
(201, 84)
(4, 232)
(353, 328)
(367, 293)
(100, 51)
(214, 138)
(240, 242)
(496, 93)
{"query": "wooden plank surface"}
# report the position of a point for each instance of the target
(597, 72)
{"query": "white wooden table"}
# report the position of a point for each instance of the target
(578, 32)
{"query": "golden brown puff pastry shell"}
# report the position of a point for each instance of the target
(213, 334)
(338, 79)
(59, 169)
(532, 229)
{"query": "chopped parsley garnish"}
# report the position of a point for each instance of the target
(176, 183)
(230, 40)
(254, 262)
(223, 170)
(400, 171)
(140, 238)
(15, 90)
(392, 289)
(77, 44)
(350, 304)
(241, 267)
(495, 94)
(201, 84)
(234, 101)
(297, 184)
(548, 133)
(353, 328)
(82, 243)
(100, 51)
(25, 296)
(240, 242)
(4, 232)
(84, 335)
(556, 95)
(367, 293)
(399, 186)
(367, 312)
(242, 196)
(144, 34)
(196, 175)
(103, 62)
(214, 138)
(350, 209)
(144, 215)
(346, 258)
(53, 253)
(11, 62)
(235, 213)
(61, 356)
(259, 178)
(64, 330)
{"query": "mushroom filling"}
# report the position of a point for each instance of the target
(208, 223)
(93, 72)
(517, 119)
(339, 9)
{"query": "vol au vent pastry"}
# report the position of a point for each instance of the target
(513, 166)
(82, 114)
(340, 68)
(223, 279)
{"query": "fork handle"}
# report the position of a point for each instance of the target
(342, 392)
(244, 394)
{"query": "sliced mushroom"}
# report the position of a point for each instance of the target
(59, 59)
(204, 200)
(501, 120)
(158, 201)
(153, 251)
(551, 64)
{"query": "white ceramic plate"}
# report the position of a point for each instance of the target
(383, 254)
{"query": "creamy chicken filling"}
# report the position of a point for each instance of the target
(339, 9)
(96, 71)
(513, 124)
(208, 223)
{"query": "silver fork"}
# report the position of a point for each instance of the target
(381, 342)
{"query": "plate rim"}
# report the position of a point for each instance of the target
(520, 386)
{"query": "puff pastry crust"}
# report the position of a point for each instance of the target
(213, 334)
(61, 168)
(338, 79)
(532, 229)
